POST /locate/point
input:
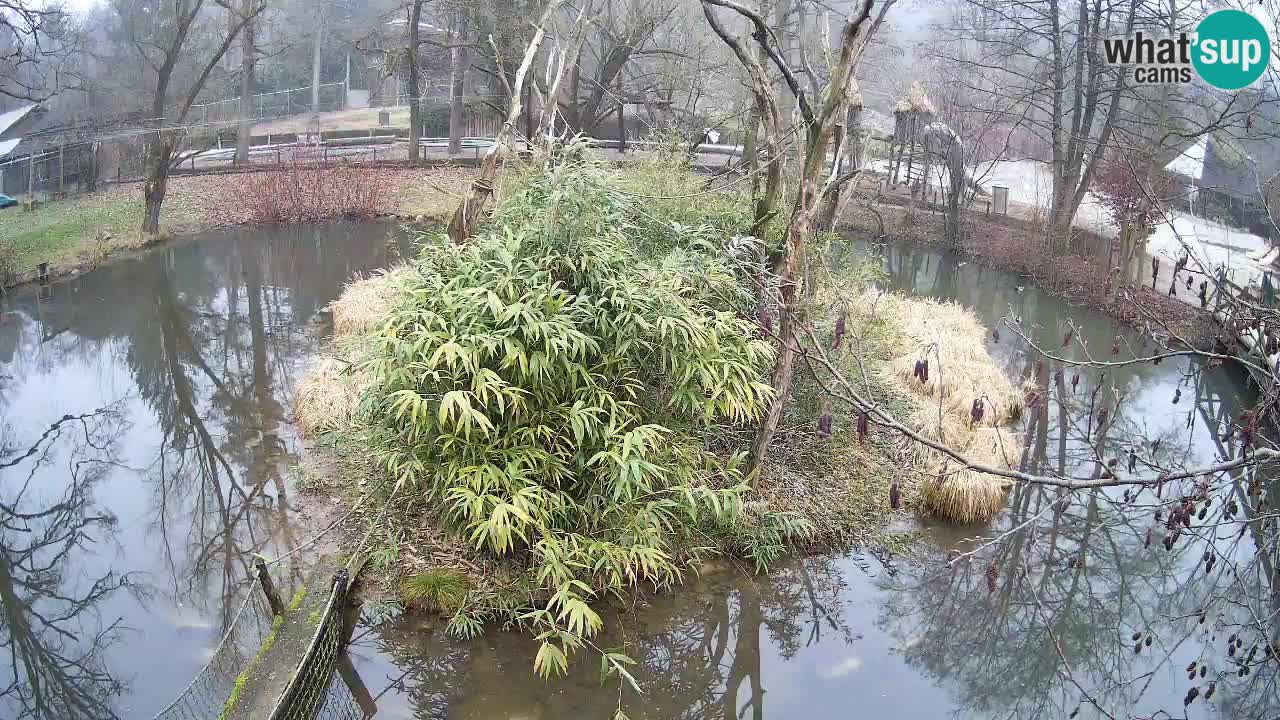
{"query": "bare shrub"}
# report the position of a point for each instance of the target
(9, 265)
(303, 191)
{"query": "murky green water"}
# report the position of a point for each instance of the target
(144, 446)
(125, 534)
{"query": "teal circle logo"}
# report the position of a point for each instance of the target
(1231, 49)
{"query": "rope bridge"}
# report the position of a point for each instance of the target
(242, 663)
(314, 691)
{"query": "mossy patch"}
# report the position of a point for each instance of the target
(242, 680)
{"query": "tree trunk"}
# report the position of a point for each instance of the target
(155, 181)
(467, 215)
(572, 107)
(955, 190)
(799, 230)
(457, 84)
(784, 369)
(749, 156)
(248, 86)
(415, 107)
(317, 42)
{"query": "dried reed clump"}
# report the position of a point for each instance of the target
(959, 494)
(328, 395)
(364, 304)
(953, 342)
(960, 372)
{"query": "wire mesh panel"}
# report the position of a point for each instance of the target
(339, 703)
(309, 687)
(205, 697)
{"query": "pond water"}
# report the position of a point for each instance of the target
(145, 443)
(849, 635)
(125, 534)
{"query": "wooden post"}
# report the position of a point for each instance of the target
(31, 178)
(268, 587)
(62, 173)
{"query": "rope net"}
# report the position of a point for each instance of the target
(308, 689)
(314, 691)
(205, 697)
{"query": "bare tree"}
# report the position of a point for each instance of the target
(38, 48)
(476, 201)
(415, 84)
(182, 43)
(458, 61)
(820, 118)
(1045, 53)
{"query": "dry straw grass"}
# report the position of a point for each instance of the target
(363, 306)
(960, 368)
(328, 395)
(960, 371)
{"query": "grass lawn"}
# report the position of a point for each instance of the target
(63, 232)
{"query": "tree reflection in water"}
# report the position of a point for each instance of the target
(52, 634)
(203, 339)
(699, 653)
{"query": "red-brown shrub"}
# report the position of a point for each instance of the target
(303, 191)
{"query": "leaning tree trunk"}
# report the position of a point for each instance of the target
(468, 213)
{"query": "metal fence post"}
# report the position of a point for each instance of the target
(31, 178)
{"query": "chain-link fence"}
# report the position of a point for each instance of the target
(339, 702)
(308, 688)
(207, 694)
(51, 171)
(281, 103)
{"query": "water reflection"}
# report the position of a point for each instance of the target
(1034, 625)
(51, 627)
(130, 537)
(713, 650)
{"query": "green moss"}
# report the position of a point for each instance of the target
(242, 680)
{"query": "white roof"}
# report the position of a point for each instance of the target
(422, 24)
(7, 146)
(11, 118)
(1189, 163)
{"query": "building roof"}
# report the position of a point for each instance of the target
(1236, 165)
(1190, 162)
(7, 146)
(13, 117)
